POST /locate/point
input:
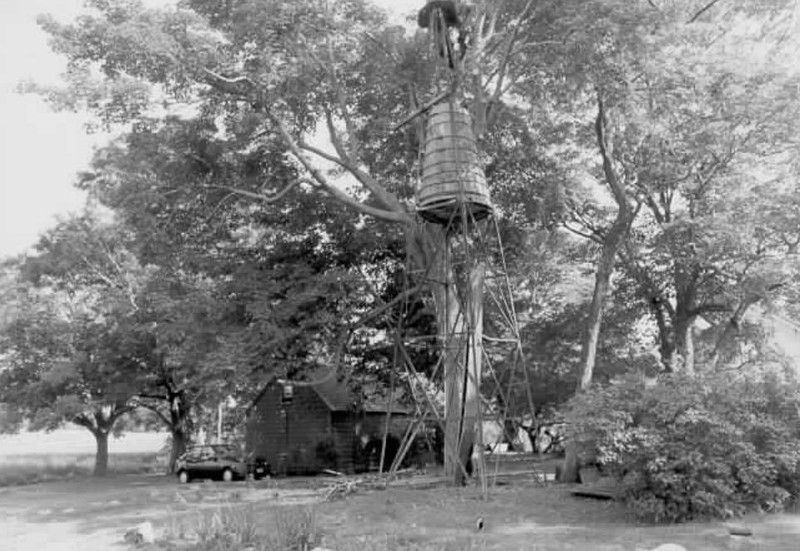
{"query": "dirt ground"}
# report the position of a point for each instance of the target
(91, 515)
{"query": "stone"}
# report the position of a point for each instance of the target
(141, 534)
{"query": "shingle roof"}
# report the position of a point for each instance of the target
(336, 395)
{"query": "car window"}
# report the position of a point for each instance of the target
(205, 453)
(225, 452)
(199, 454)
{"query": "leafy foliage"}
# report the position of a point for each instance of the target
(694, 446)
(244, 248)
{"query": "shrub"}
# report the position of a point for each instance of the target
(693, 446)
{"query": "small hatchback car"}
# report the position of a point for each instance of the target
(216, 461)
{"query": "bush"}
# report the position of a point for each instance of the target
(705, 446)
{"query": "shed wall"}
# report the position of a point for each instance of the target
(276, 430)
(289, 441)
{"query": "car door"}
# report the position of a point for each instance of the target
(202, 462)
(225, 458)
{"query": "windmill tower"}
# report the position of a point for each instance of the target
(468, 275)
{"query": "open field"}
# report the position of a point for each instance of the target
(31, 457)
(32, 468)
(94, 516)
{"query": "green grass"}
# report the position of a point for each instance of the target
(232, 527)
(33, 468)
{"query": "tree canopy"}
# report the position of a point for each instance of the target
(260, 196)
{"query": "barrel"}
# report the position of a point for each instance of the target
(452, 176)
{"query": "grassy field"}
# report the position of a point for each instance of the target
(518, 516)
(32, 457)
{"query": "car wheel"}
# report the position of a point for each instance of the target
(227, 475)
(183, 477)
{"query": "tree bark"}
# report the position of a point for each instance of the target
(178, 426)
(99, 423)
(684, 345)
(450, 326)
(612, 243)
(179, 443)
(729, 332)
(605, 269)
(470, 414)
(101, 456)
(460, 332)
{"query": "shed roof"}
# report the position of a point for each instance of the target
(338, 397)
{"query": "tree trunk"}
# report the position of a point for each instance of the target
(728, 335)
(461, 341)
(686, 342)
(681, 356)
(178, 426)
(594, 322)
(179, 442)
(471, 384)
(101, 456)
(591, 338)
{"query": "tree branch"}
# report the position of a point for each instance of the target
(83, 421)
(354, 146)
(707, 309)
(593, 236)
(617, 188)
(702, 10)
(336, 140)
(277, 196)
(501, 74)
(394, 211)
(116, 413)
(241, 86)
(383, 47)
(158, 412)
(381, 309)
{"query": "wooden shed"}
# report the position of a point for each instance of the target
(302, 429)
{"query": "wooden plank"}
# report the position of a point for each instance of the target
(596, 492)
(605, 488)
(536, 473)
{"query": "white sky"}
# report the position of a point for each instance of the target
(41, 151)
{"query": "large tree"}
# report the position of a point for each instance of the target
(660, 106)
(165, 317)
(270, 76)
(66, 360)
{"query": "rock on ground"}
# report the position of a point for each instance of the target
(143, 533)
